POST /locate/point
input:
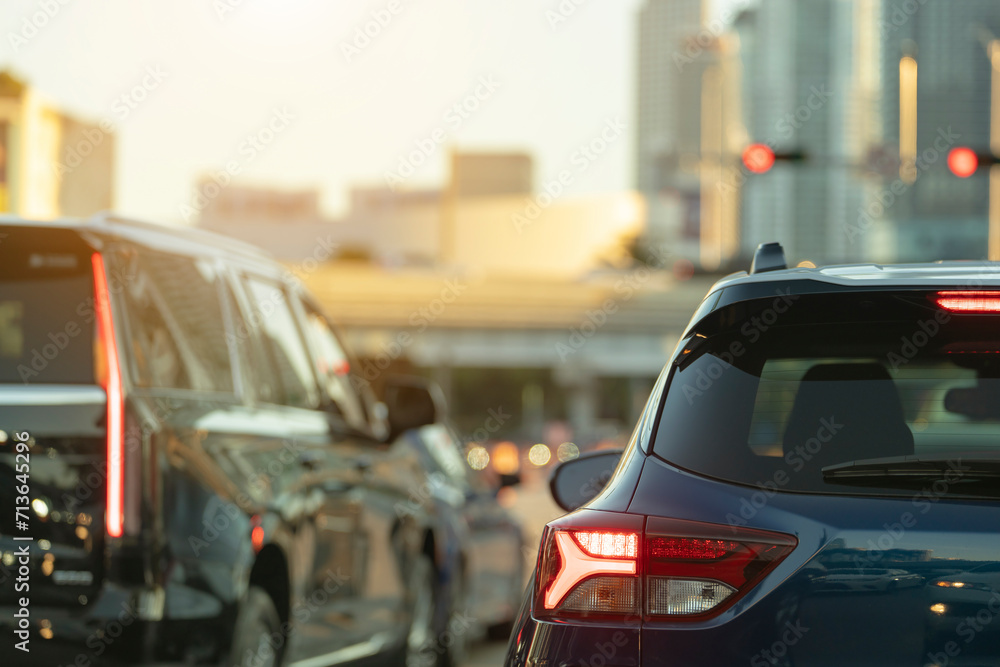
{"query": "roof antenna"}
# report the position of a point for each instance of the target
(768, 257)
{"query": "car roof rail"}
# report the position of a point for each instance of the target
(194, 234)
(768, 257)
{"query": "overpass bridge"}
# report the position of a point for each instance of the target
(609, 324)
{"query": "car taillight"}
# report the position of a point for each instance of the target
(969, 301)
(110, 378)
(589, 566)
(668, 570)
(693, 569)
(580, 567)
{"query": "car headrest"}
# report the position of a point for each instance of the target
(845, 412)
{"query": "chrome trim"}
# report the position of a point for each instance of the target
(51, 394)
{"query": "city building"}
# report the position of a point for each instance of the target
(287, 223)
(936, 72)
(671, 64)
(803, 77)
(51, 164)
(491, 174)
(690, 131)
(487, 218)
(812, 87)
(228, 202)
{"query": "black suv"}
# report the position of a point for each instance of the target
(188, 468)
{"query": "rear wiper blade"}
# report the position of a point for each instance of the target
(977, 467)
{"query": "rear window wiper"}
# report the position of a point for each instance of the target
(975, 470)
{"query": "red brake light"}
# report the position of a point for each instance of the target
(608, 545)
(677, 570)
(704, 574)
(969, 301)
(690, 549)
(575, 564)
(111, 381)
(256, 534)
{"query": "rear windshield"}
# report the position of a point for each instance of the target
(779, 394)
(46, 307)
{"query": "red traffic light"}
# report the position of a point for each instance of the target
(963, 161)
(758, 158)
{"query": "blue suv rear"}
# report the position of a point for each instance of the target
(815, 480)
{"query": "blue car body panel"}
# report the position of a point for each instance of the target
(870, 582)
(797, 615)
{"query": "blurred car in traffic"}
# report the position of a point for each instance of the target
(962, 612)
(481, 541)
(815, 430)
(189, 472)
(874, 579)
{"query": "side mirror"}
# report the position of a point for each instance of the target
(577, 482)
(412, 402)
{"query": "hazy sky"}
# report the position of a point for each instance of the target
(230, 68)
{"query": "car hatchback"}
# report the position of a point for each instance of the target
(815, 480)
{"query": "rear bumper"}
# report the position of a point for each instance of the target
(536, 643)
(785, 629)
(542, 644)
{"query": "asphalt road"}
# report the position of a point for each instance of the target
(487, 654)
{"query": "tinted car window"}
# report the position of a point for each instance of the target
(176, 329)
(333, 368)
(445, 452)
(47, 331)
(255, 366)
(283, 343)
(773, 407)
(47, 321)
